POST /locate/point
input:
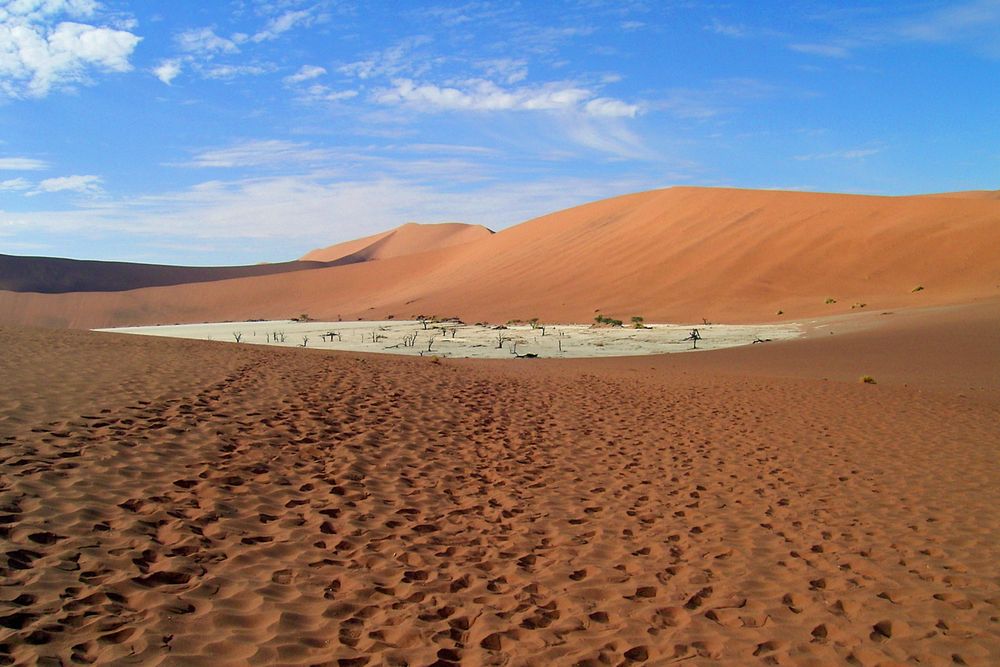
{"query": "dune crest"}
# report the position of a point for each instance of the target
(406, 239)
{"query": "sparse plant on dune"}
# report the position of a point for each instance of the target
(918, 288)
(830, 300)
(868, 379)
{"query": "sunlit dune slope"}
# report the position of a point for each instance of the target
(404, 240)
(680, 254)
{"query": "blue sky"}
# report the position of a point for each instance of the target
(254, 130)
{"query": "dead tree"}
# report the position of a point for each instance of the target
(238, 335)
(305, 341)
(694, 337)
(430, 343)
(501, 339)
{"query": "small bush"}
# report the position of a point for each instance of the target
(918, 288)
(868, 379)
(831, 300)
(780, 312)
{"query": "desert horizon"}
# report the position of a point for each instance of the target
(484, 334)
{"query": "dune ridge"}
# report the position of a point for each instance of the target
(403, 240)
(675, 255)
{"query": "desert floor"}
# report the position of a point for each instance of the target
(191, 502)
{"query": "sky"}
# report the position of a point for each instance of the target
(241, 131)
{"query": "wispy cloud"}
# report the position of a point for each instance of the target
(976, 24)
(305, 73)
(483, 95)
(846, 154)
(15, 184)
(825, 50)
(392, 61)
(257, 153)
(22, 164)
(204, 41)
(83, 184)
(233, 71)
(244, 211)
(283, 23)
(727, 29)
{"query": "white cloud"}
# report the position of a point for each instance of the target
(204, 41)
(38, 10)
(283, 23)
(482, 95)
(825, 50)
(15, 184)
(305, 73)
(233, 71)
(246, 210)
(610, 108)
(393, 61)
(320, 93)
(84, 184)
(167, 70)
(257, 153)
(508, 70)
(37, 55)
(22, 164)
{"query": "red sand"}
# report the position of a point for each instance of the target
(189, 502)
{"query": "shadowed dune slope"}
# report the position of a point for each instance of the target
(404, 240)
(53, 275)
(167, 502)
(679, 254)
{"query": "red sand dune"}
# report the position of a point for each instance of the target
(404, 240)
(679, 254)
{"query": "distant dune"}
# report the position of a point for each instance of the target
(54, 275)
(404, 240)
(679, 254)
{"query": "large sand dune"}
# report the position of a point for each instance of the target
(676, 255)
(197, 503)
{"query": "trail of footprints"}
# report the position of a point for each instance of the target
(332, 512)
